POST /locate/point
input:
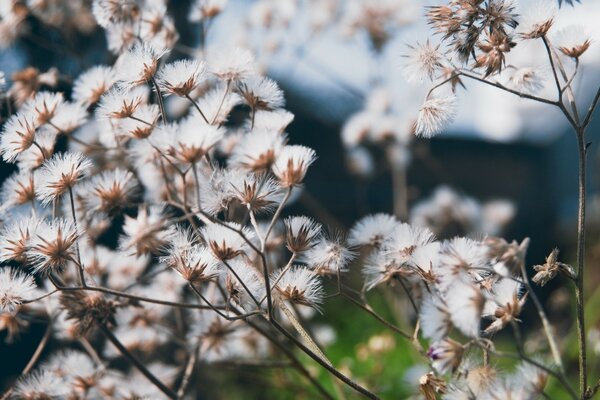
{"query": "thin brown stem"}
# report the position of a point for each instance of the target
(367, 308)
(159, 99)
(358, 388)
(127, 296)
(189, 369)
(137, 363)
(215, 309)
(227, 88)
(579, 289)
(187, 96)
(34, 358)
(77, 251)
(588, 117)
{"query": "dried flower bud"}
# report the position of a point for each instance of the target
(292, 163)
(301, 233)
(547, 271)
(431, 386)
(88, 309)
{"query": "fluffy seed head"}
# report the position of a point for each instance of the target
(261, 93)
(573, 41)
(257, 150)
(226, 243)
(18, 134)
(301, 233)
(52, 245)
(15, 287)
(435, 115)
(93, 83)
(231, 64)
(60, 174)
(138, 65)
(292, 163)
(181, 77)
(299, 285)
(44, 106)
(372, 230)
(423, 63)
(111, 190)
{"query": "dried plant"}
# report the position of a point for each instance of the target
(207, 263)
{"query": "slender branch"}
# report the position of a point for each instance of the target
(370, 311)
(227, 88)
(588, 117)
(129, 296)
(34, 358)
(579, 289)
(553, 67)
(159, 99)
(241, 283)
(137, 363)
(221, 314)
(296, 363)
(77, 251)
(288, 193)
(544, 319)
(506, 89)
(189, 369)
(365, 392)
(187, 96)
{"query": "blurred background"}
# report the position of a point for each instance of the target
(506, 166)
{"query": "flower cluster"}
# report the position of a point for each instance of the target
(147, 218)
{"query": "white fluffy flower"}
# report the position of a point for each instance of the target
(292, 163)
(299, 285)
(231, 64)
(329, 256)
(573, 41)
(18, 134)
(537, 20)
(372, 230)
(121, 103)
(526, 79)
(181, 77)
(138, 65)
(423, 62)
(110, 190)
(239, 277)
(459, 258)
(193, 141)
(435, 115)
(261, 93)
(301, 233)
(18, 189)
(60, 174)
(271, 120)
(110, 12)
(258, 193)
(15, 238)
(41, 384)
(69, 116)
(225, 242)
(93, 83)
(15, 286)
(52, 245)
(257, 150)
(144, 233)
(43, 106)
